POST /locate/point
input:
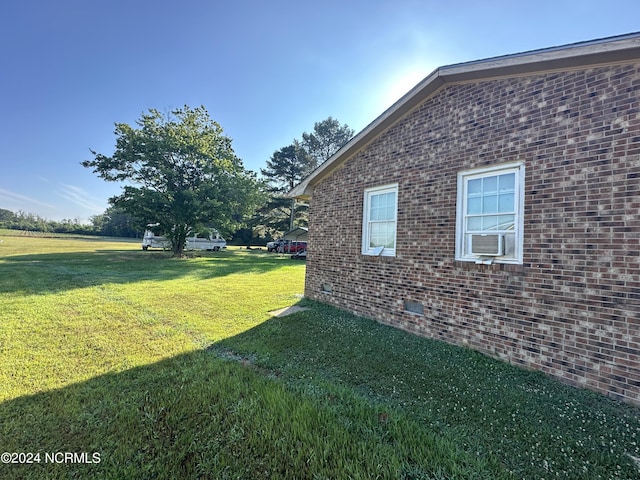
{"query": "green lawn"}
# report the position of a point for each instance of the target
(118, 363)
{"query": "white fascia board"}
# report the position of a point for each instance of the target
(406, 103)
(579, 55)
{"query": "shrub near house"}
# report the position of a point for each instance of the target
(496, 206)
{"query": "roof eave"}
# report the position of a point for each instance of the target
(580, 55)
(304, 190)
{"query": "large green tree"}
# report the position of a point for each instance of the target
(289, 165)
(327, 137)
(285, 169)
(115, 222)
(180, 172)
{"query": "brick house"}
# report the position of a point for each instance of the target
(496, 206)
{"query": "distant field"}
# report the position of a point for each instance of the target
(118, 363)
(5, 232)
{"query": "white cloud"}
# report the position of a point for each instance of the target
(80, 197)
(17, 201)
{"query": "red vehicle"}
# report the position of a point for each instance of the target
(288, 246)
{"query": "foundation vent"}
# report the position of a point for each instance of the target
(326, 288)
(413, 307)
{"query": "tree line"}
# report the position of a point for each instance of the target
(290, 164)
(180, 172)
(112, 223)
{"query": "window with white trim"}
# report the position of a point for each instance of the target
(379, 222)
(490, 214)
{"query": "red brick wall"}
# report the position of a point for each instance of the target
(573, 308)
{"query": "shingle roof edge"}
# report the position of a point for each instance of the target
(609, 50)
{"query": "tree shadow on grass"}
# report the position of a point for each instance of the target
(56, 272)
(351, 384)
(199, 416)
(493, 407)
(165, 420)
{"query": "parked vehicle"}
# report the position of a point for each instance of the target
(286, 246)
(273, 246)
(212, 241)
(151, 240)
(294, 247)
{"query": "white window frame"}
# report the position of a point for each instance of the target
(368, 194)
(462, 253)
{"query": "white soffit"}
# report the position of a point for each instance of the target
(606, 51)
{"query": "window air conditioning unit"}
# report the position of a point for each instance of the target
(487, 245)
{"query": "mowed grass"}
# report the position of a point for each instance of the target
(108, 350)
(74, 309)
(170, 368)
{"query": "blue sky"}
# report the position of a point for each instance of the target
(266, 71)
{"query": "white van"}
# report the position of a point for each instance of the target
(196, 242)
(151, 240)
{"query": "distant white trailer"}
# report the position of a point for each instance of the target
(151, 240)
(212, 242)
